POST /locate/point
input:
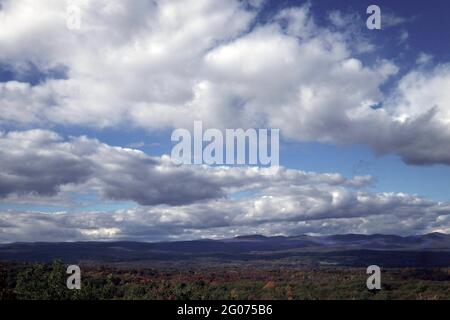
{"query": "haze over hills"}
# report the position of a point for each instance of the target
(429, 250)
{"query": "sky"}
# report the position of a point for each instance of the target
(87, 111)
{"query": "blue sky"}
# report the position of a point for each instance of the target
(135, 72)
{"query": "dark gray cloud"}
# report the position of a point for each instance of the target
(141, 180)
(30, 165)
(41, 163)
(38, 162)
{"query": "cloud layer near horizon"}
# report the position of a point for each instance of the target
(308, 211)
(181, 202)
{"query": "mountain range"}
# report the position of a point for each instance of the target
(429, 250)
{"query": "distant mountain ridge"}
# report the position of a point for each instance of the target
(349, 249)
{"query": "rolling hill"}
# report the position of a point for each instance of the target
(430, 250)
